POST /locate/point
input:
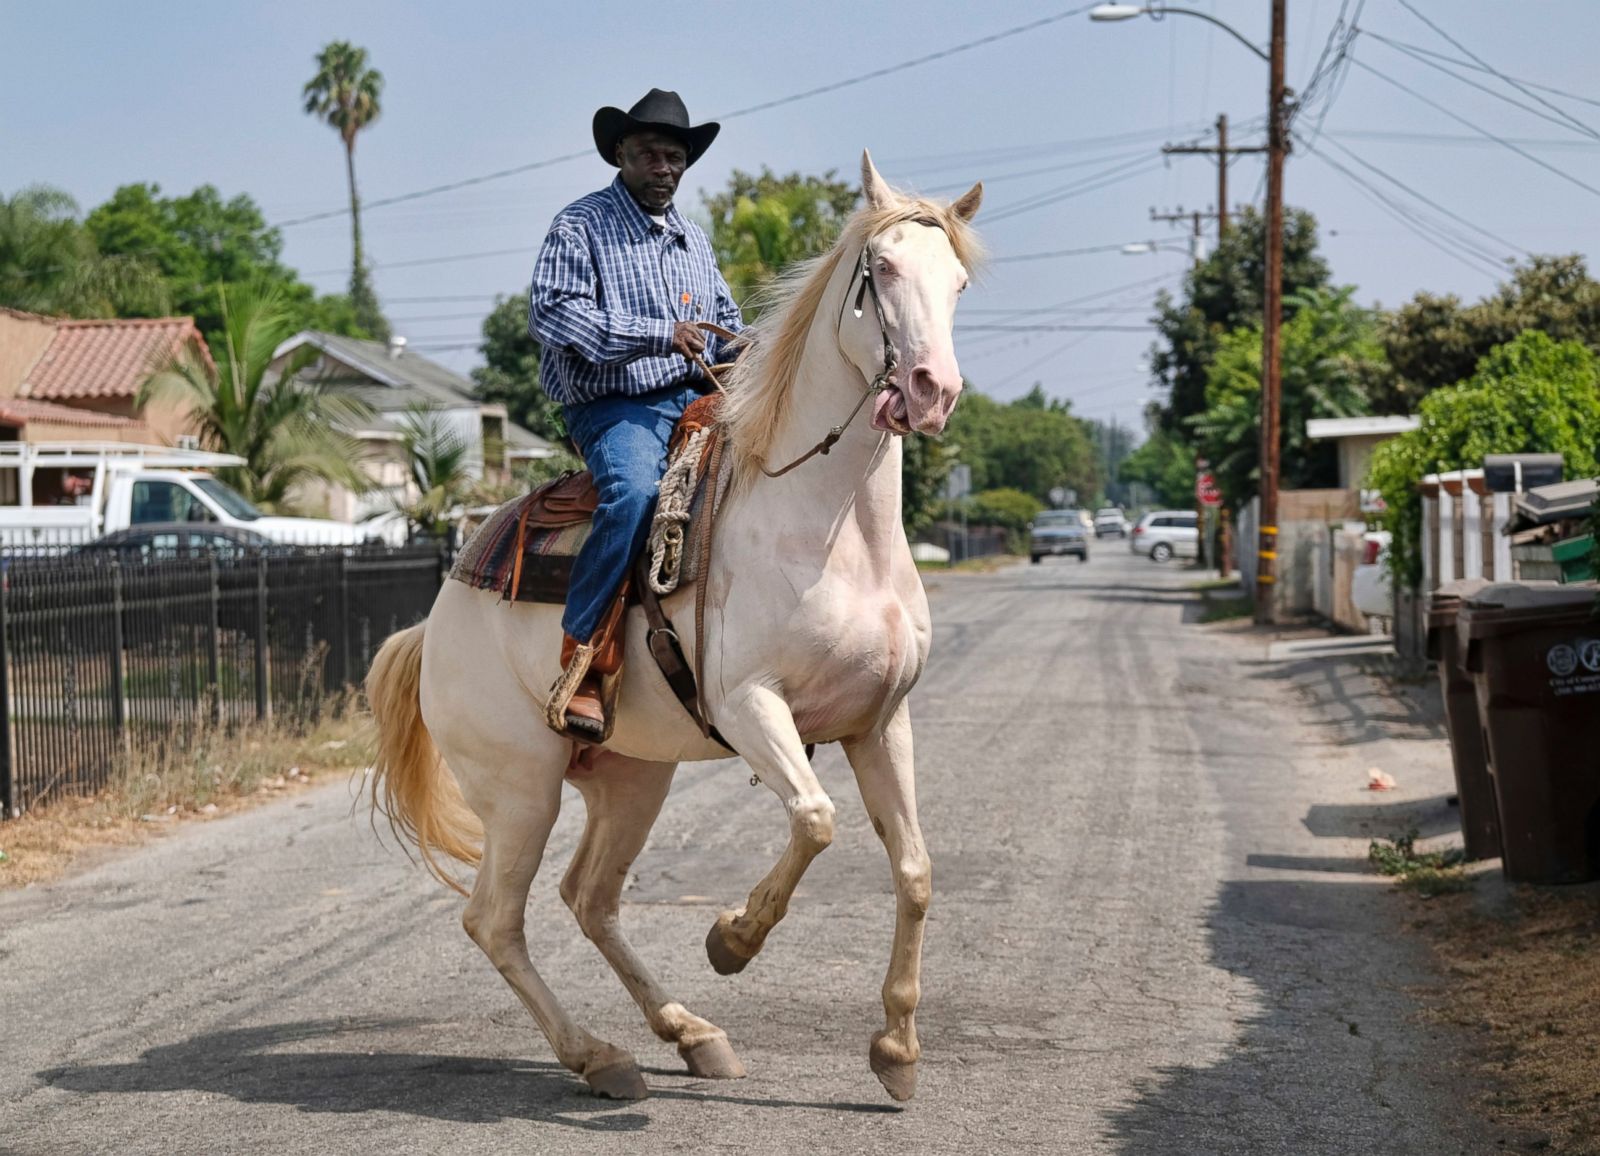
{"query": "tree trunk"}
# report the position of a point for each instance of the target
(357, 266)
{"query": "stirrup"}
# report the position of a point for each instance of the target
(566, 687)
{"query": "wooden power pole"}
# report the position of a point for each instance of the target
(1222, 152)
(1272, 323)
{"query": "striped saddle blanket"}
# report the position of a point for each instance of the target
(553, 522)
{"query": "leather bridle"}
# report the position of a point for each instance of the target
(891, 361)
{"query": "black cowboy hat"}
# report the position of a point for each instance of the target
(658, 112)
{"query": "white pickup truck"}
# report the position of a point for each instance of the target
(72, 492)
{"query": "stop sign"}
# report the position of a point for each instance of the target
(1206, 491)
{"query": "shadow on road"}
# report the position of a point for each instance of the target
(1431, 816)
(1317, 1067)
(248, 1065)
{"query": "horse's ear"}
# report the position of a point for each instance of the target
(967, 207)
(873, 187)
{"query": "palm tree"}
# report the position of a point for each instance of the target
(288, 430)
(345, 93)
(437, 458)
(49, 263)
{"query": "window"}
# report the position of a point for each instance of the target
(1162, 522)
(166, 502)
(233, 503)
(1187, 521)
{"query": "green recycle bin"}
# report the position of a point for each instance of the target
(1534, 654)
(1480, 814)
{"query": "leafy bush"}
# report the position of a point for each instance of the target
(1531, 395)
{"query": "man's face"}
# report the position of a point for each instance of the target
(652, 164)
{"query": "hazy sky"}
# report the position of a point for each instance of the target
(100, 94)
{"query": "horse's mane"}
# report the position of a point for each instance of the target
(760, 385)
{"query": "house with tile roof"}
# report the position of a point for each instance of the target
(78, 380)
(393, 382)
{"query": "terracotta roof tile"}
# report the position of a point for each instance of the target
(107, 358)
(22, 410)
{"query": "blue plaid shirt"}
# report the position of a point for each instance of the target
(608, 287)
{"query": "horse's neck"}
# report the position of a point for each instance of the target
(859, 478)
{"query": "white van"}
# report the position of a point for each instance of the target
(1164, 534)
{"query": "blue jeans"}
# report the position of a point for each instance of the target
(624, 442)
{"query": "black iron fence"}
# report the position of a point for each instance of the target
(100, 651)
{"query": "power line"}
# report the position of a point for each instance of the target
(1459, 63)
(1486, 66)
(1108, 177)
(524, 250)
(1524, 153)
(1451, 138)
(1432, 204)
(1468, 256)
(1054, 253)
(1564, 122)
(860, 78)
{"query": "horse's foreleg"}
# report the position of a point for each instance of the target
(623, 797)
(758, 724)
(883, 766)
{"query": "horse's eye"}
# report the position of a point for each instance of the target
(884, 267)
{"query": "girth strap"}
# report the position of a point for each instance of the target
(667, 649)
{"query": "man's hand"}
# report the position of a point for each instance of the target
(688, 339)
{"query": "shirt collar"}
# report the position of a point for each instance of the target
(637, 220)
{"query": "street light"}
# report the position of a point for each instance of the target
(1272, 297)
(1112, 13)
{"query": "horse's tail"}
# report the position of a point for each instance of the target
(410, 783)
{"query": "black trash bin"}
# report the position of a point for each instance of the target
(1534, 655)
(1480, 818)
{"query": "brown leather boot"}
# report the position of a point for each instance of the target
(596, 665)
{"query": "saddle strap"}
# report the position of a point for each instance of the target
(667, 649)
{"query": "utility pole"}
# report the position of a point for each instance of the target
(1272, 322)
(1197, 237)
(1222, 152)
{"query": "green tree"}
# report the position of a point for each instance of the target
(200, 242)
(1032, 444)
(1434, 341)
(510, 372)
(763, 223)
(1165, 466)
(346, 93)
(1531, 395)
(288, 430)
(1221, 294)
(1330, 354)
(437, 461)
(49, 263)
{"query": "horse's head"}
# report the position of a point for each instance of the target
(905, 304)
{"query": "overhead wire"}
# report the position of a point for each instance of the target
(792, 98)
(1459, 63)
(1484, 64)
(1458, 118)
(1564, 122)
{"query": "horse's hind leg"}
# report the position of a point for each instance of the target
(623, 797)
(518, 810)
(760, 727)
(883, 767)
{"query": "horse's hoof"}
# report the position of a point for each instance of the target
(617, 1082)
(713, 1059)
(724, 960)
(898, 1077)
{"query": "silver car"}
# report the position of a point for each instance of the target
(1164, 534)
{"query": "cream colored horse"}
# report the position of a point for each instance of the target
(816, 628)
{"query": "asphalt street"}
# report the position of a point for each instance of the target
(1152, 932)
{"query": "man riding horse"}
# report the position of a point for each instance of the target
(620, 285)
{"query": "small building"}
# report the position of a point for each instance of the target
(393, 382)
(1357, 437)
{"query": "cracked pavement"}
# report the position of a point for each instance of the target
(1152, 932)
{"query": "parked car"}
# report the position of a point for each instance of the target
(1164, 534)
(1371, 586)
(180, 540)
(1110, 521)
(1059, 532)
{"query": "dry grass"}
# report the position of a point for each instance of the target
(211, 773)
(1527, 986)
